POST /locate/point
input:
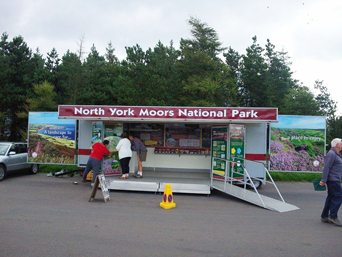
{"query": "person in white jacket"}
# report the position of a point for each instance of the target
(125, 154)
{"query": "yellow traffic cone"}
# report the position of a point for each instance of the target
(167, 202)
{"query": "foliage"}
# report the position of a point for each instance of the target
(43, 99)
(206, 80)
(300, 101)
(327, 106)
(53, 168)
(15, 85)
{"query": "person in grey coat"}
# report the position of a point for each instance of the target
(331, 177)
(141, 150)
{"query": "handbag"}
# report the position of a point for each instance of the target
(317, 186)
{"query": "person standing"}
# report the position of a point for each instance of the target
(141, 150)
(331, 177)
(99, 150)
(125, 154)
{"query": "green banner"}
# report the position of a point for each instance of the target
(237, 149)
(219, 150)
(112, 133)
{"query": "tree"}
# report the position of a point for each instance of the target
(299, 101)
(278, 79)
(253, 86)
(205, 39)
(40, 73)
(96, 89)
(51, 64)
(334, 128)
(132, 79)
(71, 79)
(162, 83)
(327, 106)
(205, 78)
(110, 56)
(44, 99)
(15, 85)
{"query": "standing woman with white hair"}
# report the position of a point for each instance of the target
(331, 177)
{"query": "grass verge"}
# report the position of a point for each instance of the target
(53, 168)
(295, 176)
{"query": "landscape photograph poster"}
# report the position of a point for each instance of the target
(51, 140)
(298, 143)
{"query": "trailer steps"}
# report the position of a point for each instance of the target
(155, 181)
(253, 197)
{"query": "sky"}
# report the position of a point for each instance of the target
(309, 31)
(50, 117)
(292, 122)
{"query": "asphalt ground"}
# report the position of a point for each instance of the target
(51, 216)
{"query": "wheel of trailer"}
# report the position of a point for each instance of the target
(257, 183)
(34, 168)
(2, 172)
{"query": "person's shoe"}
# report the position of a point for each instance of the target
(138, 176)
(326, 220)
(83, 180)
(335, 221)
(123, 177)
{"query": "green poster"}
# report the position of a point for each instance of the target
(96, 132)
(237, 149)
(112, 133)
(219, 150)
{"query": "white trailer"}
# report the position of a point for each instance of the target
(196, 159)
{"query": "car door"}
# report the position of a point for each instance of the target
(13, 160)
(18, 160)
(22, 151)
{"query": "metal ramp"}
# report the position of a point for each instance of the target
(155, 181)
(252, 197)
(240, 191)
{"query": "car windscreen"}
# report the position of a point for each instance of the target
(3, 149)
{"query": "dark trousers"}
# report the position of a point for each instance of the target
(124, 162)
(333, 201)
(92, 164)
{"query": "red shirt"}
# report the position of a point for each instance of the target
(99, 150)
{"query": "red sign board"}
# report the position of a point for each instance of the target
(159, 113)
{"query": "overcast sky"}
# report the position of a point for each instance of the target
(310, 31)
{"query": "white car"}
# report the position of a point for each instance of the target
(13, 157)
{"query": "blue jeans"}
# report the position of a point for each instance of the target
(333, 201)
(92, 164)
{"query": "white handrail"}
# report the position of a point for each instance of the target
(231, 178)
(267, 172)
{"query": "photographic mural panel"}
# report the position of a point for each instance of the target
(51, 140)
(298, 143)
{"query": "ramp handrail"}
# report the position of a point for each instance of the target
(267, 172)
(231, 178)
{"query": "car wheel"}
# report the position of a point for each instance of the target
(2, 172)
(34, 168)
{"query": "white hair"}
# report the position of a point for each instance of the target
(335, 141)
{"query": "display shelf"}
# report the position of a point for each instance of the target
(182, 150)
